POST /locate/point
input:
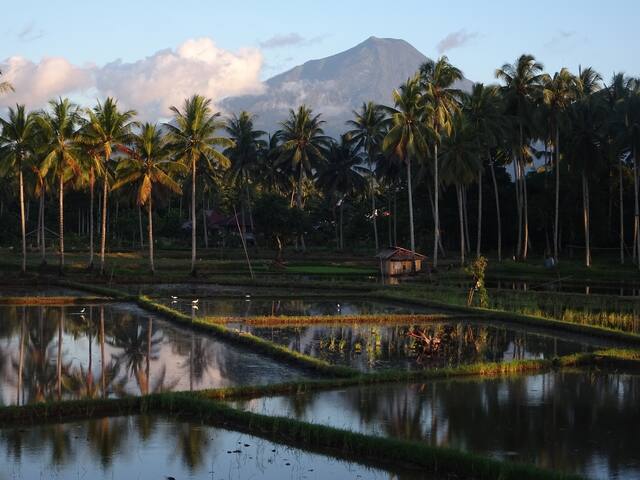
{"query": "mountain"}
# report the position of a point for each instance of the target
(335, 85)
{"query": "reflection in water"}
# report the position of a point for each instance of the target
(155, 447)
(576, 421)
(436, 344)
(49, 353)
(256, 306)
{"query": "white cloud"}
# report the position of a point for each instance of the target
(36, 83)
(150, 85)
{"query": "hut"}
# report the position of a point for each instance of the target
(399, 261)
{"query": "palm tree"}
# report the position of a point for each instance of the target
(442, 102)
(244, 154)
(148, 164)
(407, 137)
(339, 177)
(631, 115)
(522, 88)
(57, 129)
(193, 139)
(483, 109)
(15, 147)
(302, 148)
(368, 130)
(558, 93)
(5, 86)
(587, 118)
(461, 162)
(106, 130)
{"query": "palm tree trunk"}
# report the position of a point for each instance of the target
(341, 224)
(585, 215)
(21, 358)
(91, 201)
(253, 231)
(140, 232)
(61, 221)
(621, 213)
(433, 214)
(193, 216)
(436, 215)
(557, 213)
(479, 237)
(517, 183)
(150, 230)
(389, 226)
(204, 224)
(103, 239)
(525, 246)
(299, 205)
(43, 244)
(395, 217)
(373, 204)
(465, 210)
(498, 216)
(461, 220)
(22, 221)
(410, 193)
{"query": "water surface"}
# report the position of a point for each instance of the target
(577, 421)
(152, 447)
(49, 352)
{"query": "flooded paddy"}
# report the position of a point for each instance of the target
(376, 346)
(158, 447)
(51, 352)
(249, 305)
(574, 421)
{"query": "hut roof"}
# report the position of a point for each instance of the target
(398, 254)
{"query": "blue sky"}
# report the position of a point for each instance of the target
(483, 35)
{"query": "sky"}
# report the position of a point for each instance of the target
(151, 54)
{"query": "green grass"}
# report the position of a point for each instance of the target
(50, 300)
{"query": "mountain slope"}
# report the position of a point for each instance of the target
(335, 85)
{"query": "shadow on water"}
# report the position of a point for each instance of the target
(156, 447)
(49, 353)
(577, 421)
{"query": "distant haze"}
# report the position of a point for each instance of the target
(335, 86)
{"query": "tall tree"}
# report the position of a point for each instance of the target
(302, 149)
(522, 89)
(194, 139)
(407, 137)
(442, 101)
(367, 131)
(244, 155)
(558, 93)
(147, 165)
(483, 110)
(339, 178)
(106, 130)
(461, 162)
(58, 130)
(16, 144)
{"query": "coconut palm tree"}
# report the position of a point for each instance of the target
(148, 164)
(461, 162)
(5, 86)
(194, 139)
(107, 129)
(407, 137)
(630, 110)
(244, 154)
(15, 148)
(57, 129)
(339, 178)
(522, 88)
(302, 149)
(442, 103)
(558, 93)
(483, 110)
(369, 127)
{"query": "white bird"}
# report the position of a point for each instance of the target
(247, 296)
(173, 297)
(195, 302)
(83, 310)
(194, 307)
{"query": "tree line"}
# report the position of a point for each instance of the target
(559, 135)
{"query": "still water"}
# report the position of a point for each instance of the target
(435, 344)
(152, 447)
(576, 421)
(50, 352)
